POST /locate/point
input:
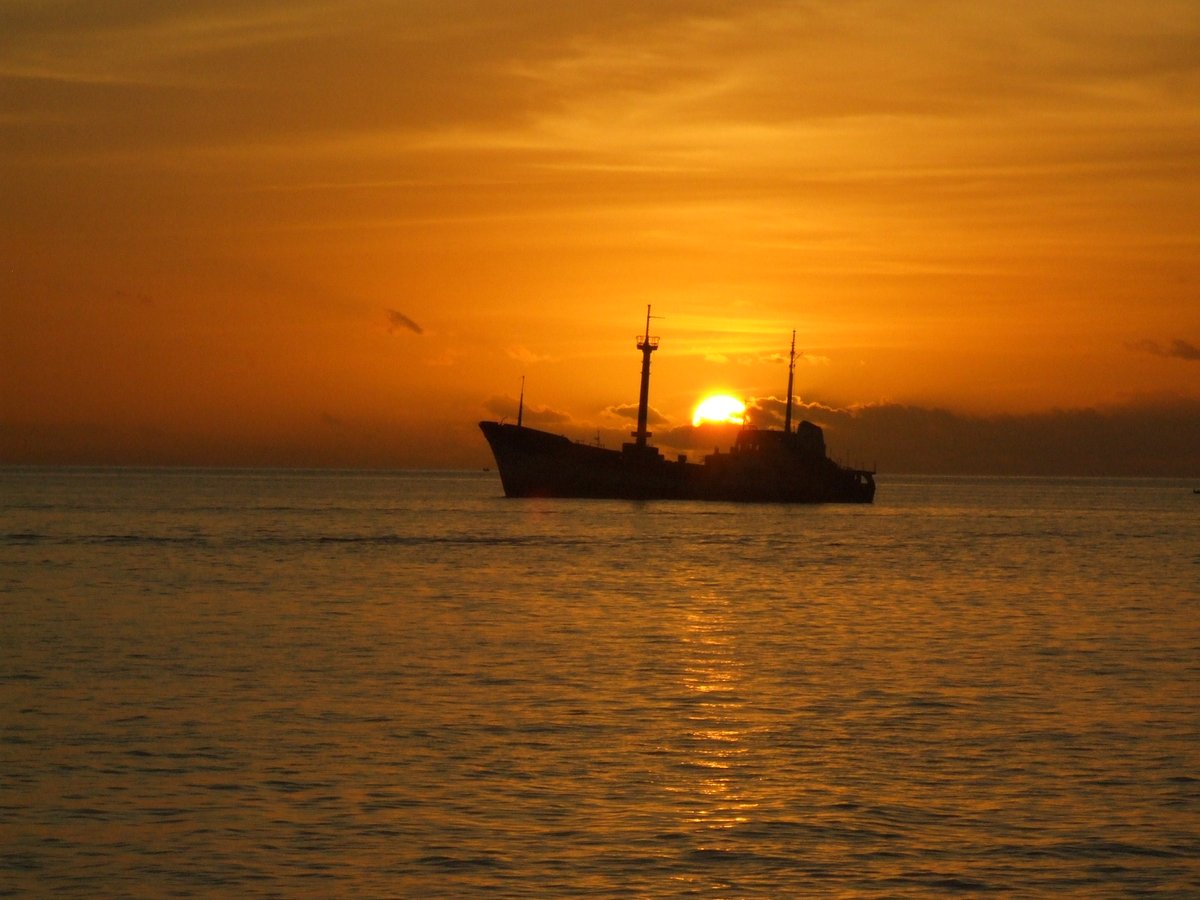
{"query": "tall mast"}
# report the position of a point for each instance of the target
(521, 402)
(787, 421)
(647, 345)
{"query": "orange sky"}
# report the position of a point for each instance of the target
(219, 220)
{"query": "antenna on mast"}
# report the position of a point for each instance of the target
(521, 403)
(787, 421)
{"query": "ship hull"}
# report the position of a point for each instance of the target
(534, 463)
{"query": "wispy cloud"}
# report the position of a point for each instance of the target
(400, 320)
(526, 356)
(630, 411)
(1154, 437)
(506, 408)
(1177, 349)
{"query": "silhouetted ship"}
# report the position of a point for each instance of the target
(764, 465)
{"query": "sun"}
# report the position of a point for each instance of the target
(719, 408)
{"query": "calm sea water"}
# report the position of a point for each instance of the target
(303, 683)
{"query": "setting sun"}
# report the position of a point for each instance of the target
(719, 408)
(933, 243)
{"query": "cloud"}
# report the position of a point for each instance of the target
(1185, 350)
(506, 408)
(131, 298)
(400, 320)
(448, 358)
(1151, 437)
(770, 412)
(526, 356)
(1160, 437)
(1177, 349)
(630, 411)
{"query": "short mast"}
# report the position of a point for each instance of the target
(647, 345)
(787, 420)
(521, 402)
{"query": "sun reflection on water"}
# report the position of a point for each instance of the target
(715, 767)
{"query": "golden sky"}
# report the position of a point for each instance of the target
(339, 233)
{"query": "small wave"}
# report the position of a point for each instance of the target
(453, 863)
(29, 538)
(278, 540)
(291, 786)
(945, 882)
(932, 703)
(1106, 849)
(134, 539)
(90, 813)
(401, 540)
(719, 856)
(24, 537)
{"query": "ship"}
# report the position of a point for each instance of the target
(763, 466)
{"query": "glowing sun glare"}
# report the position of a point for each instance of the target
(719, 408)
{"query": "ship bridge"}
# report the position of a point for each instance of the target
(807, 439)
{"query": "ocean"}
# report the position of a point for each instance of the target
(401, 684)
